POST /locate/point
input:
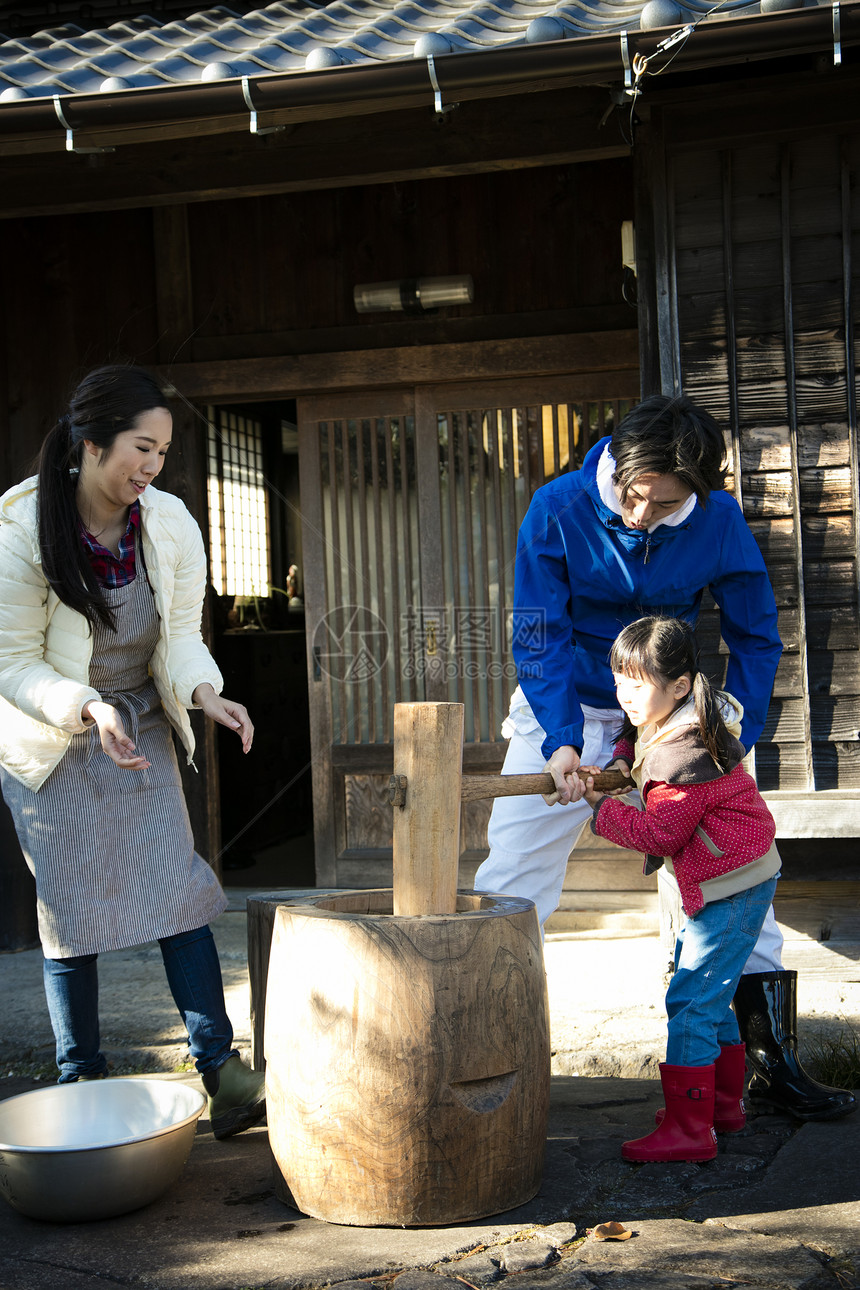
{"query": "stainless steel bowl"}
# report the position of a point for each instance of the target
(76, 1152)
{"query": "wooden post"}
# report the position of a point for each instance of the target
(428, 750)
(185, 474)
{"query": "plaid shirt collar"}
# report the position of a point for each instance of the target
(114, 570)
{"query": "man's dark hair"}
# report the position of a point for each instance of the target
(670, 435)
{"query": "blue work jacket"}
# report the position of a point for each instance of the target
(581, 576)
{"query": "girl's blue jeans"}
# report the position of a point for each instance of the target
(710, 954)
(194, 976)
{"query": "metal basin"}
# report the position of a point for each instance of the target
(76, 1152)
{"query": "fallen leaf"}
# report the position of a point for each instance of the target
(611, 1232)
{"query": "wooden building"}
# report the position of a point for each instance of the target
(217, 229)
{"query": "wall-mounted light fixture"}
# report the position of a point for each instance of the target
(413, 295)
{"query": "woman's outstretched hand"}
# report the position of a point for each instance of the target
(114, 741)
(227, 713)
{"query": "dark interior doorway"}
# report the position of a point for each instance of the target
(259, 643)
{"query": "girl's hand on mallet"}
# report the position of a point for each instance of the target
(624, 767)
(591, 797)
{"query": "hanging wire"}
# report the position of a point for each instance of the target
(678, 38)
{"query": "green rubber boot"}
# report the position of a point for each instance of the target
(237, 1097)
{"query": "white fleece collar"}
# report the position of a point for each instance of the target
(647, 737)
(609, 497)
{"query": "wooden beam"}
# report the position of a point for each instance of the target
(174, 302)
(327, 811)
(606, 353)
(405, 331)
(378, 759)
(181, 128)
(833, 813)
(823, 960)
(646, 270)
(553, 128)
(185, 475)
(774, 106)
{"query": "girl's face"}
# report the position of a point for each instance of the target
(648, 702)
(117, 476)
(651, 498)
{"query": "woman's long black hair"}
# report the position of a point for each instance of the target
(662, 650)
(107, 401)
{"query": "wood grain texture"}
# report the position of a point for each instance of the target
(824, 960)
(611, 356)
(428, 750)
(474, 821)
(765, 238)
(476, 787)
(407, 1059)
(160, 165)
(261, 920)
(368, 811)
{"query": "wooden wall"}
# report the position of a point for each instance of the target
(760, 242)
(273, 275)
(276, 274)
(78, 291)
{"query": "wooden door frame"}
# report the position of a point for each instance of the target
(333, 763)
(327, 778)
(259, 380)
(611, 355)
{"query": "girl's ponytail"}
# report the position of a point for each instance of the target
(712, 728)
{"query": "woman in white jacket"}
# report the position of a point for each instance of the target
(102, 581)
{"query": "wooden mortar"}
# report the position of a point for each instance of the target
(407, 1030)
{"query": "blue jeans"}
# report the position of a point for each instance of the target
(710, 953)
(194, 977)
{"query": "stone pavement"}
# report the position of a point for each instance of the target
(778, 1209)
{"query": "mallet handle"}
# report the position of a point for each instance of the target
(476, 787)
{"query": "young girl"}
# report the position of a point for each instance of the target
(704, 814)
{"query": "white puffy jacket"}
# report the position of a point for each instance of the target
(46, 647)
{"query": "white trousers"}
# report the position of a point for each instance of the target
(530, 842)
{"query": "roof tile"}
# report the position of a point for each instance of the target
(223, 40)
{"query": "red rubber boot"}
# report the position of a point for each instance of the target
(687, 1130)
(729, 1072)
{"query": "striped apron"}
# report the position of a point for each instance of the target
(111, 849)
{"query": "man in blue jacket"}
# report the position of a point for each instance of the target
(643, 528)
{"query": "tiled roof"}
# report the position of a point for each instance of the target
(298, 35)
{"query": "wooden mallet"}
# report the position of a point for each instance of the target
(427, 792)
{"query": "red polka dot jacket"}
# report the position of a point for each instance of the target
(687, 795)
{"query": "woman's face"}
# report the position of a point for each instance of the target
(651, 498)
(117, 476)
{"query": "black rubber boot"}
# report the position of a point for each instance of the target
(765, 1004)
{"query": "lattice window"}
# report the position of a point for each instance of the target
(238, 511)
(491, 461)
